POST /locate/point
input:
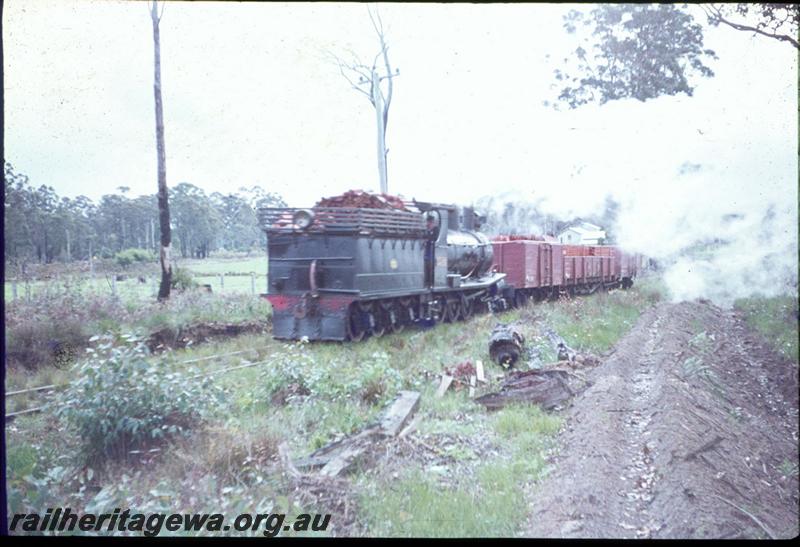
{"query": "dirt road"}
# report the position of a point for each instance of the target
(690, 430)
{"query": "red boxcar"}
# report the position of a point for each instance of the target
(537, 264)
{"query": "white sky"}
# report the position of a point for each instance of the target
(250, 99)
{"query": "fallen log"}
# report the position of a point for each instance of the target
(336, 457)
(547, 388)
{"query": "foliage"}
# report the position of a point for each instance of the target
(120, 400)
(776, 319)
(130, 256)
(416, 506)
(40, 226)
(516, 420)
(421, 504)
(371, 380)
(644, 51)
(778, 21)
(182, 279)
(53, 328)
(597, 323)
(639, 51)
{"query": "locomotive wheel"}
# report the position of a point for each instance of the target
(466, 308)
(396, 324)
(452, 310)
(437, 310)
(355, 332)
(406, 311)
(393, 313)
(379, 319)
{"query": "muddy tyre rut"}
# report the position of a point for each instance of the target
(688, 431)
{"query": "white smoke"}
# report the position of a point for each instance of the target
(708, 191)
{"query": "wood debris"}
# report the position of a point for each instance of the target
(479, 373)
(444, 385)
(363, 200)
(335, 458)
(547, 387)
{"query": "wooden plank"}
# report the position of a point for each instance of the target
(412, 425)
(322, 456)
(479, 371)
(343, 460)
(400, 412)
(472, 383)
(444, 385)
(337, 457)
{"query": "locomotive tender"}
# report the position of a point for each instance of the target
(342, 273)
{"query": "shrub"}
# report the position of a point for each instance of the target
(370, 380)
(130, 256)
(35, 343)
(182, 279)
(121, 401)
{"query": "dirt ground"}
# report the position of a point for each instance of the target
(689, 430)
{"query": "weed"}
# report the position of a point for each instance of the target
(130, 256)
(417, 506)
(121, 401)
(788, 469)
(515, 420)
(776, 319)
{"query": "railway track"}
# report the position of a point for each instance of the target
(52, 388)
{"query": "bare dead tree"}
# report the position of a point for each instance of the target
(163, 200)
(366, 79)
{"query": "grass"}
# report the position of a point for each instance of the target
(595, 323)
(481, 501)
(205, 271)
(483, 466)
(775, 318)
(416, 506)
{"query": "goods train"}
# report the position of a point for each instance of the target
(343, 273)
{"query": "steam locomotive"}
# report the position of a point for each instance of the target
(343, 273)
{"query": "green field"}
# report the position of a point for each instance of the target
(205, 272)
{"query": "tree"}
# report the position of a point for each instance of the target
(644, 51)
(370, 77)
(778, 21)
(196, 221)
(163, 196)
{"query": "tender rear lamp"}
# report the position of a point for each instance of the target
(303, 218)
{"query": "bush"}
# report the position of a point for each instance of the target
(122, 401)
(33, 344)
(130, 256)
(50, 330)
(371, 380)
(182, 279)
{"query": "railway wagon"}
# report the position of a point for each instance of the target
(541, 269)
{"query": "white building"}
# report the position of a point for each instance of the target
(583, 233)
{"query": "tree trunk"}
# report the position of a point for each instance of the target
(163, 201)
(378, 102)
(69, 249)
